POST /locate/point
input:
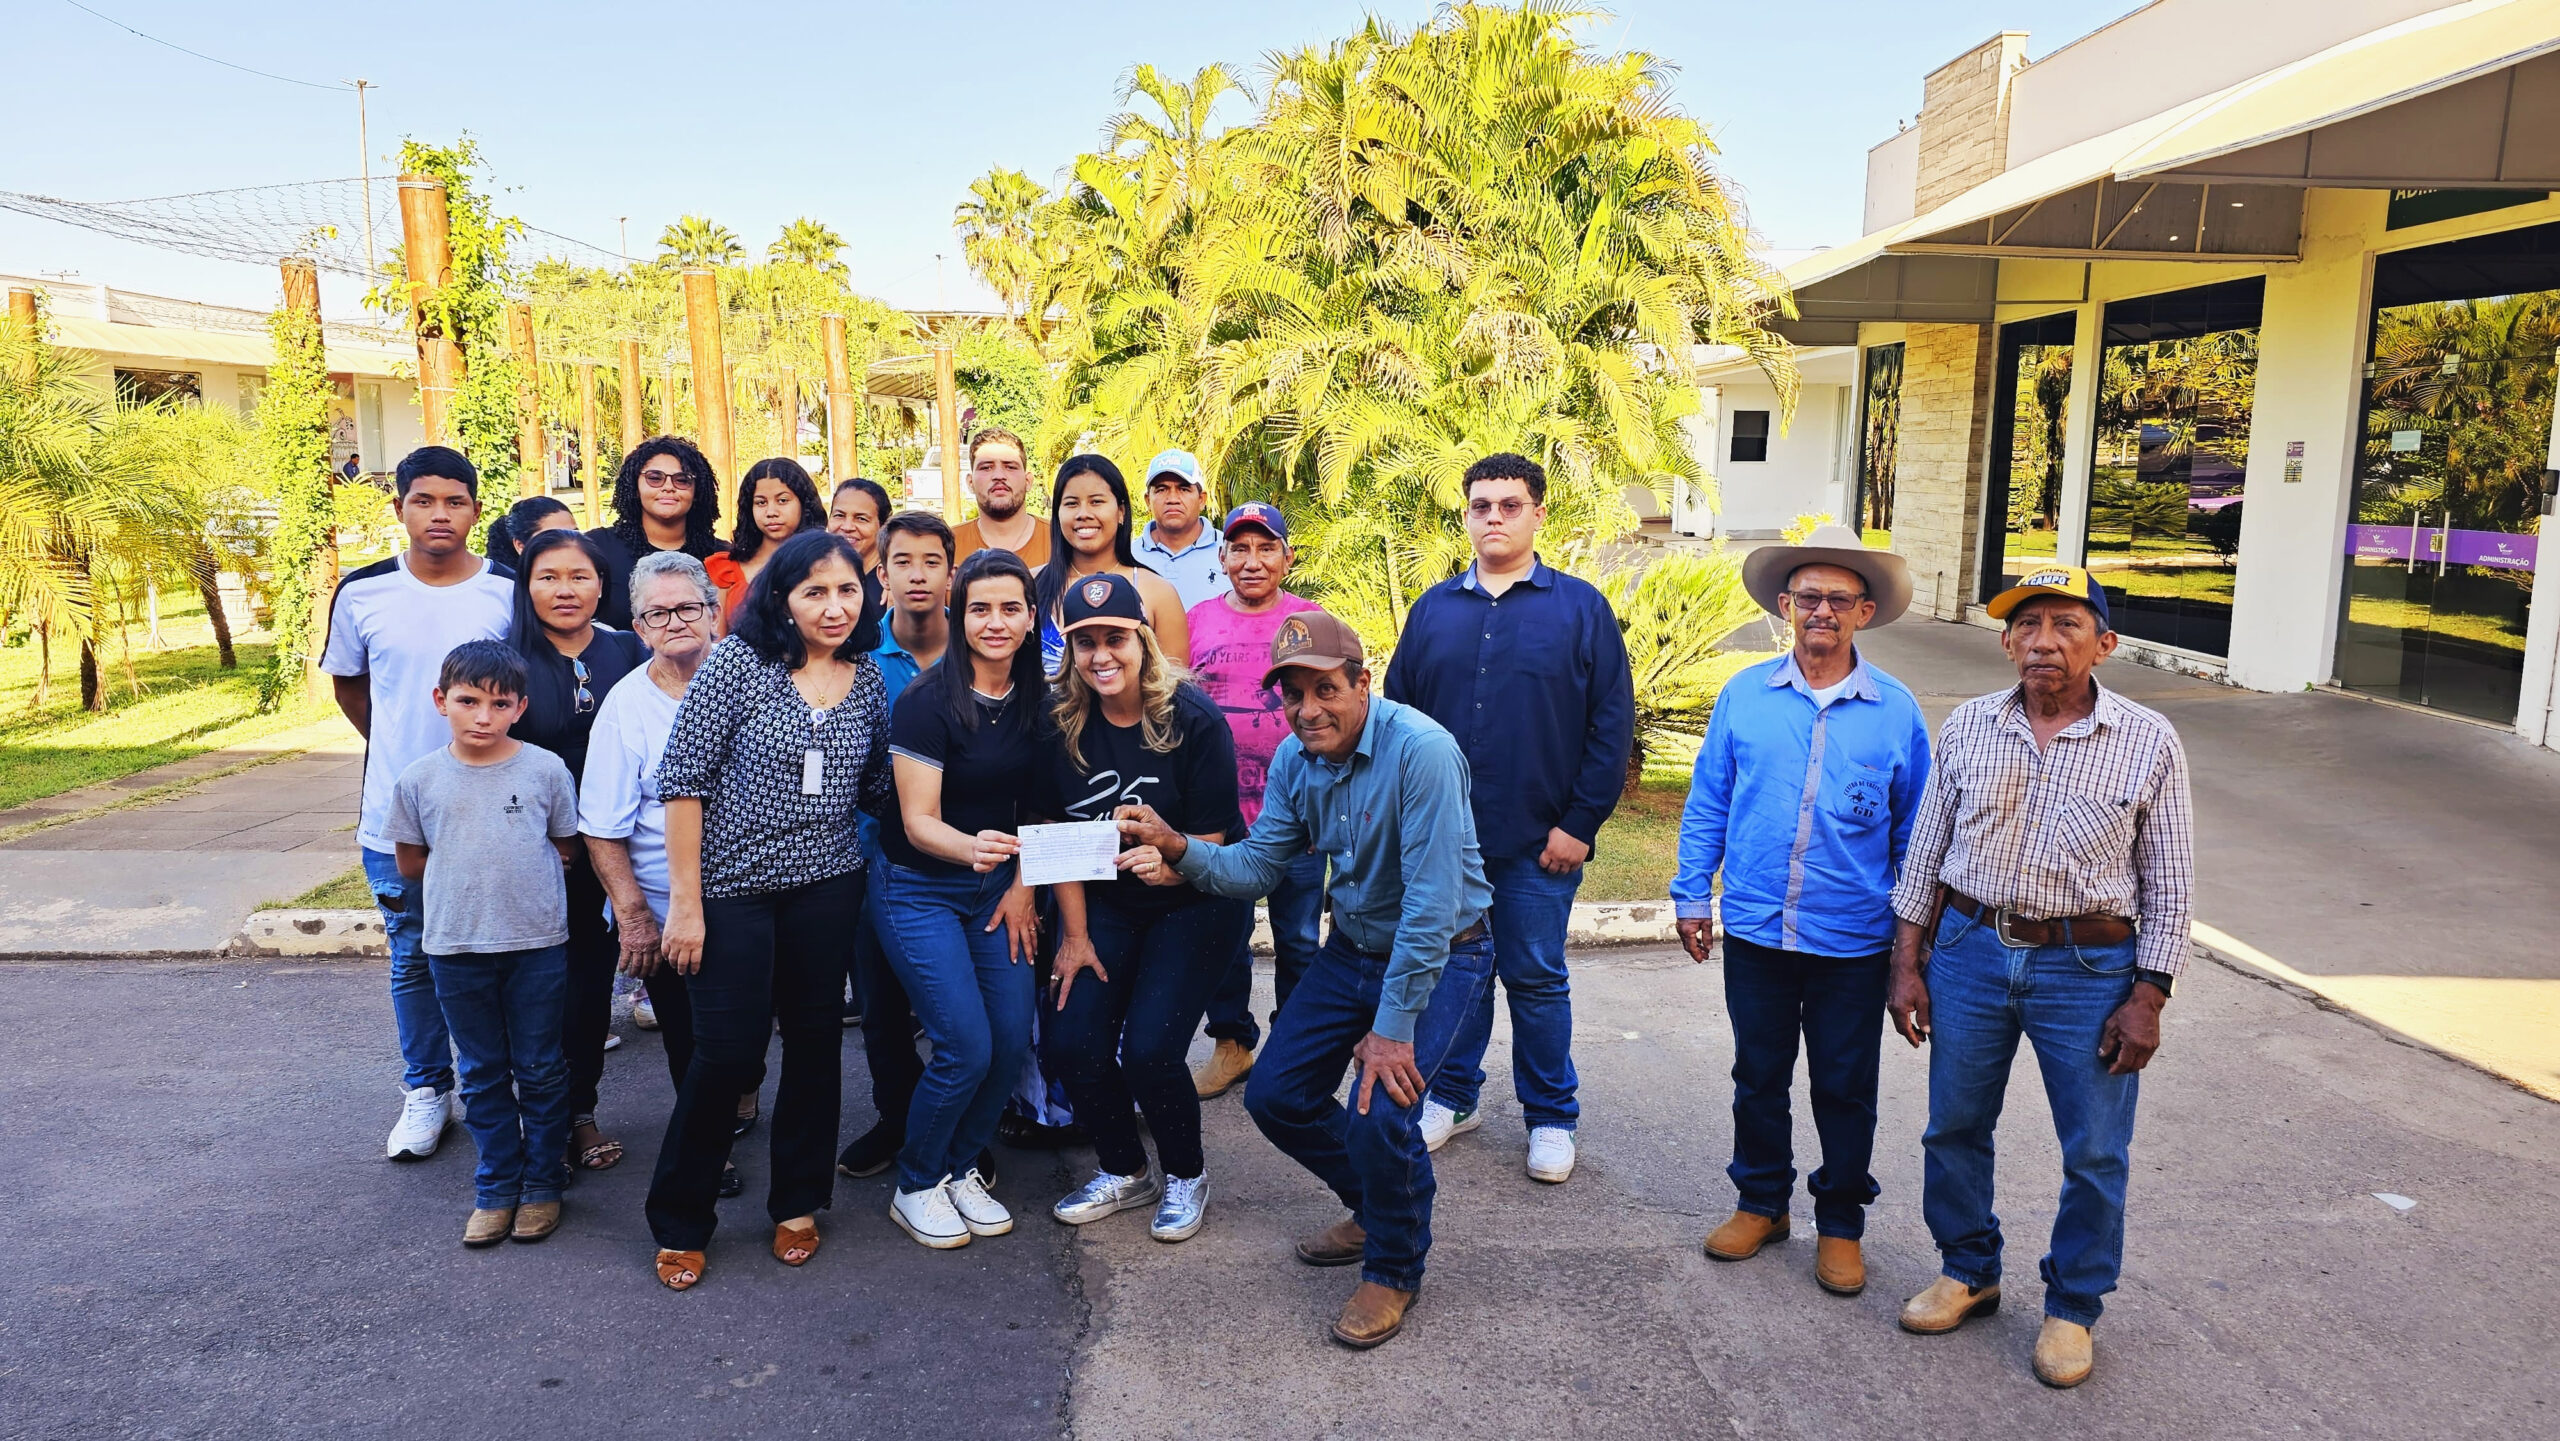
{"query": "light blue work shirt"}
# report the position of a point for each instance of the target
(1394, 819)
(1805, 808)
(1197, 572)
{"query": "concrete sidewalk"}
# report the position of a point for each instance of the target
(2396, 863)
(174, 876)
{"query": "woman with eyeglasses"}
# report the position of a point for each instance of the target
(664, 498)
(776, 501)
(570, 663)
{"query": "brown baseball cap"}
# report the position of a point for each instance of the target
(1316, 640)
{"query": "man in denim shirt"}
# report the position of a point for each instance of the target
(1803, 797)
(1381, 790)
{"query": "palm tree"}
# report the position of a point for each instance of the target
(698, 240)
(996, 232)
(810, 243)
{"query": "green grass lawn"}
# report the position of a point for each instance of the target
(348, 892)
(1640, 845)
(187, 705)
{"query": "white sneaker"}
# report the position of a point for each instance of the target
(1439, 1123)
(983, 1214)
(1550, 1154)
(424, 1113)
(928, 1217)
(644, 1015)
(613, 1040)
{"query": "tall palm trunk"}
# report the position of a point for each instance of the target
(44, 663)
(209, 586)
(93, 697)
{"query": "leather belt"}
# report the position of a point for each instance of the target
(2097, 928)
(1474, 932)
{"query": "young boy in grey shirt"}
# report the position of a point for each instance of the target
(484, 824)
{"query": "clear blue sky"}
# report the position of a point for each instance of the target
(873, 117)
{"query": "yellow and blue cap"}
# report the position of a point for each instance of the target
(2068, 581)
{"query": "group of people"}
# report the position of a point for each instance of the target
(751, 772)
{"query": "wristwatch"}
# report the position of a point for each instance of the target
(2162, 979)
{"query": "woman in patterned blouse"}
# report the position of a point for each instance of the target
(781, 736)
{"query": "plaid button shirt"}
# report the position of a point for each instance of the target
(2098, 821)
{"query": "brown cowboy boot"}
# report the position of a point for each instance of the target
(1341, 1244)
(1374, 1314)
(1741, 1238)
(1840, 1265)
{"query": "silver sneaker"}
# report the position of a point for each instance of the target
(1104, 1195)
(1186, 1206)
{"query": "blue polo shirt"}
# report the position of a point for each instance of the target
(898, 669)
(1197, 572)
(1535, 686)
(1806, 808)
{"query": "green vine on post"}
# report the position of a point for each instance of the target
(293, 432)
(471, 308)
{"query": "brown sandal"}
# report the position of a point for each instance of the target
(679, 1270)
(604, 1155)
(788, 1238)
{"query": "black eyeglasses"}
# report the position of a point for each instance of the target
(586, 697)
(660, 617)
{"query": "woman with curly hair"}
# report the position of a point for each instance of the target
(1139, 956)
(776, 501)
(664, 498)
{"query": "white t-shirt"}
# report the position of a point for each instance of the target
(389, 626)
(1823, 698)
(618, 797)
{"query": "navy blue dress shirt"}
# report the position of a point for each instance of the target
(1535, 686)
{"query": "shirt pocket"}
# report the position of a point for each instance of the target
(2094, 830)
(1855, 796)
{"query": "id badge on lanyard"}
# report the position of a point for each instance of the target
(813, 762)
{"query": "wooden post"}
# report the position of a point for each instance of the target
(667, 398)
(426, 246)
(302, 293)
(786, 410)
(23, 318)
(711, 393)
(530, 457)
(840, 400)
(634, 429)
(587, 441)
(946, 424)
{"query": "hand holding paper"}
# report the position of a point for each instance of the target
(1075, 851)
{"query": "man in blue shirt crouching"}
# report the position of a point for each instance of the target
(1804, 797)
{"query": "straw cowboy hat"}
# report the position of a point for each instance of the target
(1765, 571)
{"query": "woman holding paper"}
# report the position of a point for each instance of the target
(1138, 956)
(955, 919)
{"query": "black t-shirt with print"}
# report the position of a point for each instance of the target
(988, 771)
(1193, 786)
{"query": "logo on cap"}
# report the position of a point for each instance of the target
(1096, 591)
(2049, 577)
(1294, 639)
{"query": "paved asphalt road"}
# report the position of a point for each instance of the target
(205, 1243)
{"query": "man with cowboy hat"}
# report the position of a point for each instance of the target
(1803, 797)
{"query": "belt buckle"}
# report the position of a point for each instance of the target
(2000, 920)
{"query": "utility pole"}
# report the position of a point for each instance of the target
(711, 390)
(587, 440)
(840, 400)
(531, 476)
(624, 223)
(364, 149)
(634, 429)
(426, 245)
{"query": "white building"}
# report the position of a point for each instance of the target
(2252, 309)
(141, 347)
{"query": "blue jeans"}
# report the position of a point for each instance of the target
(1531, 910)
(975, 1002)
(1124, 1041)
(1838, 1006)
(426, 1046)
(1982, 997)
(1297, 913)
(1375, 1162)
(505, 1008)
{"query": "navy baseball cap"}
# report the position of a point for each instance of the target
(2068, 581)
(1258, 512)
(1105, 599)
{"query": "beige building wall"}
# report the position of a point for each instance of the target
(1964, 120)
(1937, 508)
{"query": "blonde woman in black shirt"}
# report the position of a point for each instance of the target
(781, 737)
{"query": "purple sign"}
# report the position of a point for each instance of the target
(2498, 549)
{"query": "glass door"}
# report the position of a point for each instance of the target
(2441, 547)
(2022, 497)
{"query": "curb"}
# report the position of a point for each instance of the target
(359, 932)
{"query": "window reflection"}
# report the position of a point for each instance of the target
(2022, 507)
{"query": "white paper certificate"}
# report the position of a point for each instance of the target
(1076, 851)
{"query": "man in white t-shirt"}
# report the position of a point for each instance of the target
(391, 624)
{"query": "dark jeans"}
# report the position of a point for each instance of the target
(1982, 997)
(768, 957)
(1128, 1038)
(588, 1012)
(975, 1001)
(1297, 917)
(1838, 1006)
(504, 1012)
(673, 1002)
(1375, 1162)
(1532, 911)
(888, 1021)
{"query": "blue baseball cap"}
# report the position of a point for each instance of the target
(1182, 465)
(2068, 581)
(1258, 512)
